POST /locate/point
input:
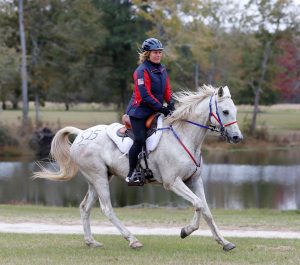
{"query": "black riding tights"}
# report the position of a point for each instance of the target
(139, 131)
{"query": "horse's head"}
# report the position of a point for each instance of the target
(226, 111)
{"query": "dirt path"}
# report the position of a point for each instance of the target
(38, 228)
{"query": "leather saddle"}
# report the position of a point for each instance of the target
(126, 131)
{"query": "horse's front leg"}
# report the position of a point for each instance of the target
(197, 186)
(200, 205)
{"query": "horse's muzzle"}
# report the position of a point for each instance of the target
(235, 138)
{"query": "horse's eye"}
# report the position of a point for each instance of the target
(225, 112)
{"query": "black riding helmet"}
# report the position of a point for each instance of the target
(151, 45)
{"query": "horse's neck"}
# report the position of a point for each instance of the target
(192, 135)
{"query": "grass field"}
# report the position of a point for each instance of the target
(60, 118)
(22, 249)
(49, 249)
(277, 119)
(278, 126)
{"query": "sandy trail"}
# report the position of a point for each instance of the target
(40, 228)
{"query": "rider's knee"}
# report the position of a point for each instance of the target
(139, 142)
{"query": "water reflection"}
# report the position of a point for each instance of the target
(244, 186)
(232, 186)
(262, 156)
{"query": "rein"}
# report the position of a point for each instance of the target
(210, 127)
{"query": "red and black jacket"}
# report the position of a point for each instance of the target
(151, 88)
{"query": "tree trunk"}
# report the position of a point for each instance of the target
(15, 103)
(196, 76)
(124, 98)
(37, 111)
(34, 58)
(24, 65)
(67, 106)
(258, 88)
(212, 71)
(255, 110)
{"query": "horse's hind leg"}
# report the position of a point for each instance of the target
(101, 185)
(85, 209)
(200, 206)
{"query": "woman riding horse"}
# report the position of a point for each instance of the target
(151, 88)
(176, 161)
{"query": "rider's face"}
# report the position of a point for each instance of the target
(155, 56)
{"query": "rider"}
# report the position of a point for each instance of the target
(151, 88)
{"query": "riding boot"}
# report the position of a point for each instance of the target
(135, 178)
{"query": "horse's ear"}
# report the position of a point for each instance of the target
(220, 92)
(224, 92)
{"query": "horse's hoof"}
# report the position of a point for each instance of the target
(229, 247)
(136, 245)
(94, 244)
(183, 233)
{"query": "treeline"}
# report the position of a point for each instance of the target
(86, 50)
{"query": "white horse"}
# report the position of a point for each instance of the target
(176, 162)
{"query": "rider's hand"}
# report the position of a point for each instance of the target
(171, 105)
(164, 110)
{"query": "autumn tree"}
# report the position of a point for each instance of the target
(288, 80)
(263, 23)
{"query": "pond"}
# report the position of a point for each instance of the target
(233, 180)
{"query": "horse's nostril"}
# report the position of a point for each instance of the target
(235, 137)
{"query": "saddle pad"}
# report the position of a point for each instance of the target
(124, 143)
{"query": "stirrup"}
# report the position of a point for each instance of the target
(148, 173)
(136, 179)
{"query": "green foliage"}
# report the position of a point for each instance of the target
(125, 35)
(263, 31)
(64, 38)
(86, 50)
(9, 55)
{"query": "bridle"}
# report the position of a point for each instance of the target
(210, 127)
(216, 116)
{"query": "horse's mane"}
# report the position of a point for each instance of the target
(187, 101)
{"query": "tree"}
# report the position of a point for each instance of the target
(64, 39)
(288, 80)
(126, 31)
(200, 38)
(9, 68)
(9, 54)
(265, 21)
(24, 65)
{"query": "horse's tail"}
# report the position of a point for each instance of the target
(60, 152)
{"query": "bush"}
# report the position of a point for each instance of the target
(5, 137)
